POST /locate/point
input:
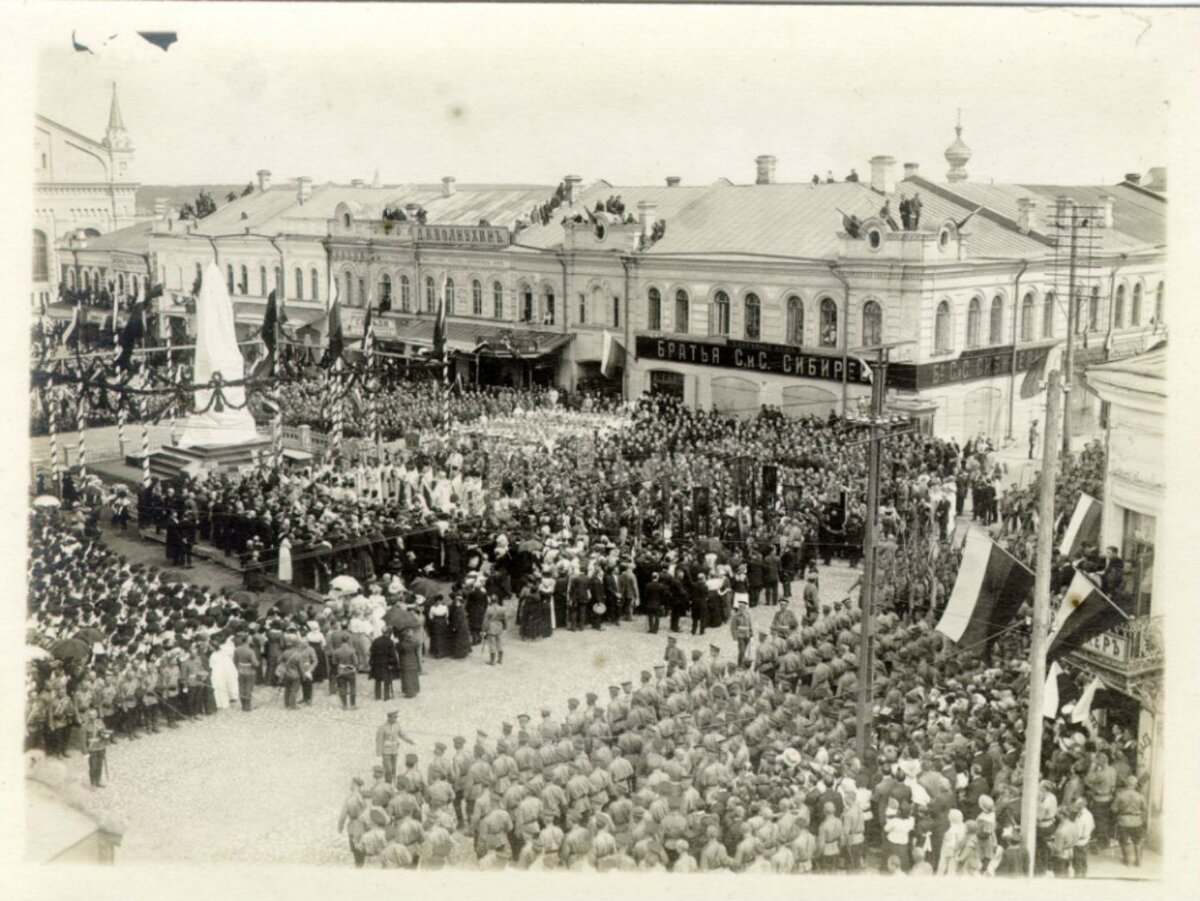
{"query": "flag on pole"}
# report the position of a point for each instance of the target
(1086, 612)
(1035, 377)
(131, 335)
(990, 588)
(439, 326)
(71, 335)
(1083, 707)
(1084, 527)
(333, 350)
(612, 355)
(1050, 698)
(368, 338)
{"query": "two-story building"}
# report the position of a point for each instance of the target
(728, 296)
(1129, 658)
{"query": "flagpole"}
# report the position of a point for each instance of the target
(1041, 609)
(54, 468)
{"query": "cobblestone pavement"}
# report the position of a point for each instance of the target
(268, 786)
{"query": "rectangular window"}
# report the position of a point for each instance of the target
(582, 309)
(1138, 553)
(616, 316)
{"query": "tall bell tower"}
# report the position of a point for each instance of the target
(118, 142)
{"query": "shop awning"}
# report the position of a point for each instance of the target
(475, 338)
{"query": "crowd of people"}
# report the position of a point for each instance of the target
(588, 518)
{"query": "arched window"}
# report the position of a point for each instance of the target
(449, 297)
(1159, 298)
(316, 284)
(526, 303)
(974, 317)
(244, 282)
(1119, 308)
(299, 283)
(405, 294)
(120, 282)
(430, 294)
(829, 323)
(1048, 315)
(1094, 309)
(87, 280)
(941, 328)
(654, 311)
(70, 279)
(795, 321)
(347, 287)
(720, 314)
(547, 305)
(681, 311)
(1027, 317)
(996, 325)
(753, 317)
(872, 324)
(262, 281)
(41, 257)
(476, 298)
(385, 292)
(229, 276)
(279, 281)
(497, 300)
(361, 297)
(1081, 323)
(1135, 308)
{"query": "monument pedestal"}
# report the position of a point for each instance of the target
(173, 462)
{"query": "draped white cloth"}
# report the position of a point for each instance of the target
(217, 351)
(224, 675)
(284, 573)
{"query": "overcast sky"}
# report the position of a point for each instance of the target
(628, 94)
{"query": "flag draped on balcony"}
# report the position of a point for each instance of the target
(1086, 612)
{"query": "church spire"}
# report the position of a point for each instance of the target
(115, 122)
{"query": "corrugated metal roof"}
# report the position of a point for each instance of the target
(132, 239)
(1139, 221)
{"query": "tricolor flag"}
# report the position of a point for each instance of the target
(1036, 375)
(1082, 710)
(1086, 612)
(991, 587)
(1084, 527)
(1050, 697)
(612, 355)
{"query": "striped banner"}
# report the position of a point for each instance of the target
(122, 417)
(83, 436)
(335, 444)
(54, 469)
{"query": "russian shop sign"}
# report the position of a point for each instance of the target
(771, 359)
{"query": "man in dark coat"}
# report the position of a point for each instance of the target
(771, 577)
(385, 665)
(656, 598)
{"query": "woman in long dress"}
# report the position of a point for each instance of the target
(410, 664)
(460, 630)
(438, 626)
(284, 573)
(545, 607)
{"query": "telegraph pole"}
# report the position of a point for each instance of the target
(866, 647)
(1068, 206)
(1041, 611)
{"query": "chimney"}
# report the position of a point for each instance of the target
(1105, 209)
(911, 170)
(1027, 220)
(647, 211)
(357, 183)
(673, 181)
(448, 186)
(264, 179)
(1133, 178)
(766, 170)
(160, 207)
(303, 188)
(883, 177)
(572, 183)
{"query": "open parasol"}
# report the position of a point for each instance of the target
(345, 583)
(425, 587)
(47, 500)
(89, 634)
(70, 649)
(400, 618)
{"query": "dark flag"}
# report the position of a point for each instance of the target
(131, 335)
(439, 330)
(163, 39)
(337, 342)
(368, 338)
(270, 325)
(989, 591)
(80, 48)
(1086, 612)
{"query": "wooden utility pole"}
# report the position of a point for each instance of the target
(866, 646)
(1041, 611)
(1072, 321)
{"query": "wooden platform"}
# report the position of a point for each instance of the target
(172, 462)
